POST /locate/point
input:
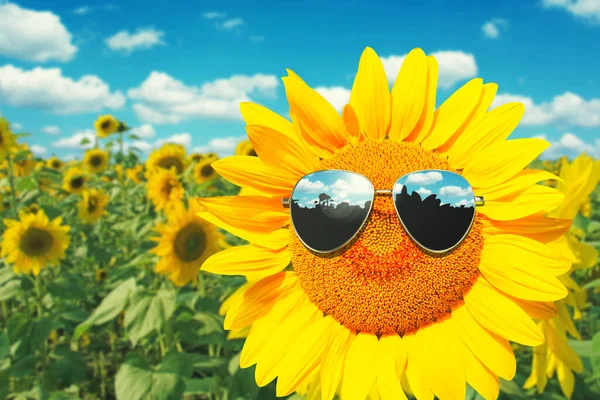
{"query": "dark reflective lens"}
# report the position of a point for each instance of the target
(436, 208)
(329, 207)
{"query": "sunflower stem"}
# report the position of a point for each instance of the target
(38, 295)
(11, 181)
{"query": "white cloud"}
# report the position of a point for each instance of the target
(16, 126)
(144, 131)
(48, 89)
(224, 146)
(424, 178)
(143, 39)
(423, 192)
(38, 150)
(567, 108)
(311, 186)
(33, 35)
(337, 96)
(586, 9)
(214, 15)
(162, 99)
(464, 202)
(230, 24)
(570, 145)
(494, 27)
(83, 10)
(455, 191)
(74, 141)
(51, 130)
(184, 139)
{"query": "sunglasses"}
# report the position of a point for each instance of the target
(329, 208)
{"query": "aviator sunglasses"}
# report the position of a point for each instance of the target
(329, 208)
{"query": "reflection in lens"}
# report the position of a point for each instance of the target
(329, 207)
(436, 208)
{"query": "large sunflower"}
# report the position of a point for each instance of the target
(164, 189)
(75, 180)
(204, 172)
(92, 205)
(7, 139)
(106, 125)
(185, 242)
(169, 156)
(384, 312)
(579, 179)
(95, 160)
(34, 242)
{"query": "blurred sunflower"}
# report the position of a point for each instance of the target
(244, 148)
(106, 125)
(96, 160)
(33, 242)
(170, 155)
(204, 172)
(136, 174)
(24, 163)
(211, 156)
(3, 203)
(196, 157)
(54, 163)
(92, 206)
(579, 179)
(32, 209)
(119, 171)
(74, 180)
(7, 139)
(340, 321)
(101, 275)
(184, 243)
(164, 189)
(46, 184)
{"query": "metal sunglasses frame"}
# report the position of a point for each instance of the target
(479, 201)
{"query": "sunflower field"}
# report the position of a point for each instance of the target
(102, 294)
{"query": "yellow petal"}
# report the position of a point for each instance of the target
(501, 161)
(318, 122)
(252, 172)
(255, 114)
(538, 370)
(484, 381)
(304, 356)
(333, 360)
(454, 113)
(494, 127)
(423, 127)
(361, 367)
(492, 350)
(534, 200)
(536, 309)
(557, 343)
(351, 121)
(419, 388)
(409, 95)
(537, 227)
(566, 379)
(566, 321)
(281, 153)
(370, 97)
(501, 315)
(523, 180)
(393, 357)
(250, 261)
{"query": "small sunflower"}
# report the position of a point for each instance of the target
(75, 180)
(7, 139)
(244, 148)
(136, 174)
(34, 242)
(101, 275)
(164, 189)
(106, 125)
(170, 155)
(24, 164)
(196, 157)
(385, 317)
(96, 160)
(211, 156)
(92, 205)
(54, 163)
(32, 209)
(204, 172)
(184, 243)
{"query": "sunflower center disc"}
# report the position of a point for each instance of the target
(55, 164)
(383, 283)
(105, 125)
(96, 161)
(77, 182)
(207, 171)
(190, 242)
(170, 162)
(92, 204)
(36, 242)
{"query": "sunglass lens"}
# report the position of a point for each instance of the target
(436, 208)
(329, 207)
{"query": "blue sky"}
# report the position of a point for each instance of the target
(177, 70)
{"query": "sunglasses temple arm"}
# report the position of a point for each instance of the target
(285, 202)
(479, 201)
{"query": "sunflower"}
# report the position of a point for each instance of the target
(244, 148)
(106, 125)
(385, 317)
(54, 163)
(119, 171)
(7, 139)
(95, 160)
(204, 172)
(196, 157)
(24, 164)
(211, 156)
(135, 174)
(75, 180)
(32, 209)
(92, 205)
(579, 179)
(33, 242)
(185, 242)
(164, 189)
(170, 155)
(101, 275)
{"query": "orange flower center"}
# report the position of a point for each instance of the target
(384, 283)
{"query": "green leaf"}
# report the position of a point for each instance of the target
(591, 284)
(595, 353)
(24, 366)
(6, 274)
(593, 227)
(67, 368)
(198, 386)
(167, 387)
(4, 345)
(134, 378)
(511, 388)
(234, 363)
(27, 183)
(68, 286)
(147, 313)
(242, 384)
(205, 362)
(10, 289)
(85, 141)
(133, 136)
(109, 308)
(181, 364)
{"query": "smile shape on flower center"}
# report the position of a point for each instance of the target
(383, 283)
